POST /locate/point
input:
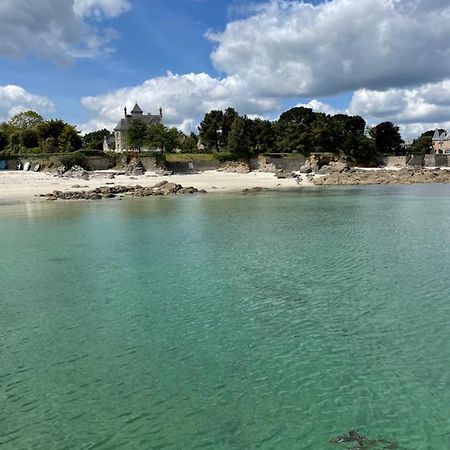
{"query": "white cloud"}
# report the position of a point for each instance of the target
(15, 99)
(318, 106)
(184, 99)
(291, 48)
(99, 8)
(393, 54)
(56, 29)
(414, 109)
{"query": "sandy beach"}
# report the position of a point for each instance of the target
(18, 186)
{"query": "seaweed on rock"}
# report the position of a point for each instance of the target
(360, 442)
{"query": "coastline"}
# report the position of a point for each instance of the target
(19, 186)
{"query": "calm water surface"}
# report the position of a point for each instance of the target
(269, 321)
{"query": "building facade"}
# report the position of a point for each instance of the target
(120, 132)
(441, 143)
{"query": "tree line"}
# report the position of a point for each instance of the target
(298, 130)
(301, 130)
(28, 132)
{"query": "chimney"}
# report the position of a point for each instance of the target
(125, 110)
(161, 112)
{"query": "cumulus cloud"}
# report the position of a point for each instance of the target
(415, 109)
(56, 29)
(184, 99)
(15, 99)
(393, 54)
(318, 106)
(291, 48)
(99, 8)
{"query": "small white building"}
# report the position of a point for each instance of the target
(120, 132)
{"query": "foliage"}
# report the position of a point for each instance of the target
(229, 156)
(69, 139)
(190, 143)
(164, 138)
(95, 139)
(423, 144)
(73, 159)
(293, 130)
(14, 142)
(263, 136)
(387, 138)
(136, 134)
(3, 140)
(26, 120)
(210, 131)
(189, 157)
(240, 136)
(28, 138)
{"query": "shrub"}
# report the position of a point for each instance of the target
(230, 156)
(73, 159)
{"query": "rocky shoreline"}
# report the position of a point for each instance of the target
(383, 176)
(108, 192)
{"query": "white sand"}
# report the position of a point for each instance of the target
(27, 186)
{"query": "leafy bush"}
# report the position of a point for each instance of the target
(90, 152)
(73, 159)
(230, 156)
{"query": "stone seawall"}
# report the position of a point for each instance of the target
(93, 162)
(274, 163)
(417, 160)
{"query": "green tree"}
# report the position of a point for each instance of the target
(69, 139)
(95, 139)
(239, 138)
(28, 138)
(3, 140)
(293, 130)
(161, 137)
(155, 136)
(190, 143)
(228, 118)
(50, 129)
(26, 119)
(210, 130)
(263, 136)
(14, 142)
(387, 138)
(171, 139)
(423, 144)
(136, 134)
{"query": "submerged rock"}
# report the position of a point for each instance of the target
(360, 442)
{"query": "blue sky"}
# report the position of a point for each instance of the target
(83, 60)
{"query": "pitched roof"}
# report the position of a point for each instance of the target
(148, 119)
(436, 136)
(136, 110)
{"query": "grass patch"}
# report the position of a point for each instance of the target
(229, 156)
(189, 157)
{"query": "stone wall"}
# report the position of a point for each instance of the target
(269, 163)
(395, 161)
(150, 163)
(437, 160)
(201, 166)
(100, 162)
(93, 162)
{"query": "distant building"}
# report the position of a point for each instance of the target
(441, 142)
(120, 132)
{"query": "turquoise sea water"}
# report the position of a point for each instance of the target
(268, 321)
